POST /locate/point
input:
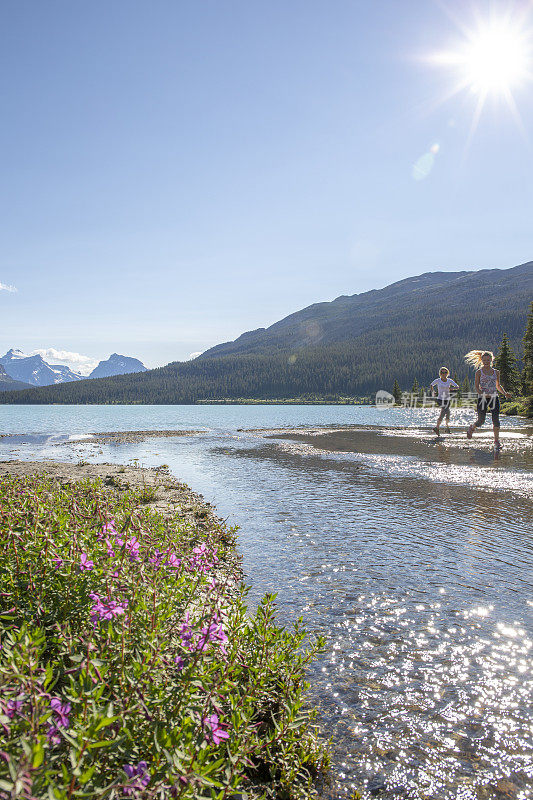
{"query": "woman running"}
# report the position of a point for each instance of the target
(442, 386)
(487, 388)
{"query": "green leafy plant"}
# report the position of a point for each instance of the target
(129, 666)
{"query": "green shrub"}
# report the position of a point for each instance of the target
(515, 407)
(129, 666)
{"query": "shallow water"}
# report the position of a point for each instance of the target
(411, 554)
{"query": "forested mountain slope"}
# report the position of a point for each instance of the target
(405, 331)
(472, 302)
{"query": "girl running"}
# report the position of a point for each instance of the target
(442, 386)
(487, 388)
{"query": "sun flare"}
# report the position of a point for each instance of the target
(495, 59)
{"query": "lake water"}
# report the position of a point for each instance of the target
(412, 554)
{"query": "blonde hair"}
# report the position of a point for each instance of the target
(475, 357)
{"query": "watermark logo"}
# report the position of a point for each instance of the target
(424, 400)
(384, 398)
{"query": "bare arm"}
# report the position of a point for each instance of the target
(478, 387)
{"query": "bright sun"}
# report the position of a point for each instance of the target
(492, 59)
(495, 59)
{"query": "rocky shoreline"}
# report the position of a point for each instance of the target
(163, 493)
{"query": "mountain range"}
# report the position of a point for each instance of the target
(348, 347)
(33, 370)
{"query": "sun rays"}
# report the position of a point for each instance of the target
(491, 60)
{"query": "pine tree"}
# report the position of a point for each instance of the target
(528, 354)
(506, 362)
(466, 386)
(416, 387)
(397, 392)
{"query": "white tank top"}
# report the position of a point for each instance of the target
(487, 383)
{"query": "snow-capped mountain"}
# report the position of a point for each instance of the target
(117, 365)
(34, 370)
(7, 384)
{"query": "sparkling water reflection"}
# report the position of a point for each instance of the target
(412, 556)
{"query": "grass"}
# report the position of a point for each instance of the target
(129, 666)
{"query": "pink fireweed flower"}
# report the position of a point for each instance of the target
(52, 734)
(173, 562)
(110, 551)
(58, 562)
(14, 707)
(214, 634)
(180, 663)
(108, 529)
(217, 732)
(156, 558)
(132, 546)
(61, 711)
(138, 776)
(85, 564)
(106, 609)
(203, 559)
(185, 632)
(60, 719)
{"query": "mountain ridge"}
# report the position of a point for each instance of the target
(117, 365)
(329, 327)
(404, 331)
(35, 370)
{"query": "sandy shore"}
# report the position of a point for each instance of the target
(169, 496)
(453, 448)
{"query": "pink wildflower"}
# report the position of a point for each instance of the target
(185, 632)
(85, 564)
(106, 609)
(133, 545)
(14, 707)
(60, 719)
(58, 562)
(218, 733)
(173, 561)
(109, 528)
(61, 710)
(156, 558)
(213, 633)
(139, 777)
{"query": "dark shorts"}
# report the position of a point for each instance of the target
(444, 402)
(484, 404)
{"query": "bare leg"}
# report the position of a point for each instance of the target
(481, 415)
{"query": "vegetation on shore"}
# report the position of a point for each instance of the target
(129, 666)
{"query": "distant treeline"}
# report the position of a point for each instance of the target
(352, 369)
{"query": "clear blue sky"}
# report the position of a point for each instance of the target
(177, 172)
